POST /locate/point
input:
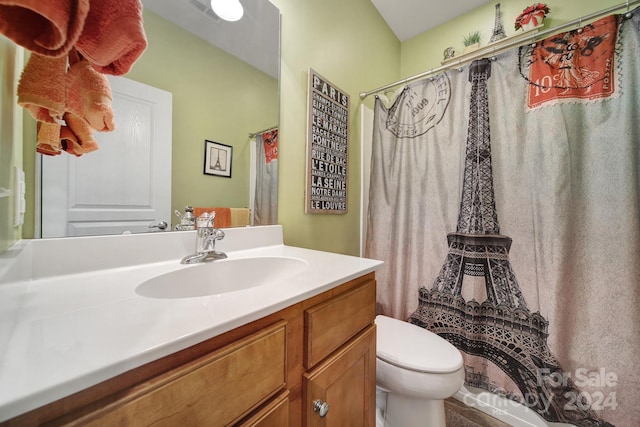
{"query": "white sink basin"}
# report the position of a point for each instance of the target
(221, 276)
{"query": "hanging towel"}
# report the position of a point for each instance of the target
(41, 88)
(48, 139)
(46, 27)
(240, 217)
(70, 142)
(223, 216)
(89, 96)
(77, 137)
(113, 36)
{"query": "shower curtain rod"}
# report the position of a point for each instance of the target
(499, 47)
(251, 135)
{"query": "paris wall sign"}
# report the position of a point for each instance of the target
(327, 147)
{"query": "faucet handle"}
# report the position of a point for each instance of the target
(206, 220)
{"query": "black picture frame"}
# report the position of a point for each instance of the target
(217, 159)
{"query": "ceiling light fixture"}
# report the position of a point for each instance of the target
(229, 10)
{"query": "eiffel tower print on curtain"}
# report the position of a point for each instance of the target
(501, 330)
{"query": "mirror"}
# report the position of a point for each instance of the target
(220, 93)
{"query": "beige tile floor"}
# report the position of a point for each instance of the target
(460, 415)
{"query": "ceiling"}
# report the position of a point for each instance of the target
(408, 18)
(246, 38)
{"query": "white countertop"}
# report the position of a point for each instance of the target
(63, 331)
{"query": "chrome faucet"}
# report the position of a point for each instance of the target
(206, 236)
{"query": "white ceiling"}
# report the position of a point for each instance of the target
(408, 18)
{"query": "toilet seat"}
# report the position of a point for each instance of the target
(411, 347)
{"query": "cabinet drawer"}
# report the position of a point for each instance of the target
(332, 323)
(214, 390)
(274, 414)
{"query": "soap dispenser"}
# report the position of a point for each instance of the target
(187, 220)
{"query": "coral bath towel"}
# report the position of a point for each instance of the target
(49, 28)
(89, 96)
(113, 37)
(77, 137)
(48, 139)
(41, 89)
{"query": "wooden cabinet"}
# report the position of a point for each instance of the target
(213, 390)
(274, 414)
(266, 373)
(345, 383)
(332, 323)
(339, 388)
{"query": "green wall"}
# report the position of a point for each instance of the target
(215, 97)
(10, 139)
(348, 43)
(425, 51)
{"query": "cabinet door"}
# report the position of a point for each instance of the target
(346, 381)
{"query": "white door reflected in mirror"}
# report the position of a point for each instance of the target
(123, 186)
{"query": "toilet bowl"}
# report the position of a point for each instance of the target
(415, 371)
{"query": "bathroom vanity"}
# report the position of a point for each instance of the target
(298, 349)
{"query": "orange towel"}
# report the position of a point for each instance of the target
(41, 89)
(46, 27)
(240, 217)
(70, 142)
(77, 136)
(223, 216)
(89, 96)
(113, 37)
(48, 139)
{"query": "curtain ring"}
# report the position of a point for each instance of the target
(580, 25)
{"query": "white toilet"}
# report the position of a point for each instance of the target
(415, 371)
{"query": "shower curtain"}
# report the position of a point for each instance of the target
(505, 202)
(266, 197)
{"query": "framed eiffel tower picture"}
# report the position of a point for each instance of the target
(217, 159)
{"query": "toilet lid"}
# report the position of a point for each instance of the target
(411, 347)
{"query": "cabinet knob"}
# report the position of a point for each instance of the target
(321, 408)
